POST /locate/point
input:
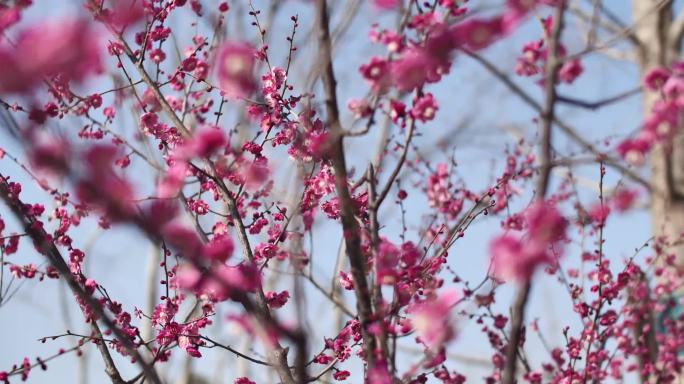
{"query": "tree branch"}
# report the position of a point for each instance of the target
(553, 65)
(336, 148)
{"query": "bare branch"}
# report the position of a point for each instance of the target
(336, 147)
(566, 128)
(553, 65)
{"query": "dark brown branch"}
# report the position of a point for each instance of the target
(545, 157)
(336, 151)
(594, 105)
(215, 344)
(407, 143)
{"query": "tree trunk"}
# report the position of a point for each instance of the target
(658, 46)
(652, 29)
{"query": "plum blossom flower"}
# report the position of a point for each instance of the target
(424, 108)
(102, 186)
(277, 300)
(220, 248)
(122, 14)
(376, 72)
(517, 258)
(172, 182)
(221, 282)
(67, 48)
(341, 375)
(359, 108)
(235, 66)
(183, 239)
(397, 110)
(410, 70)
(477, 34)
(624, 199)
(387, 261)
(656, 78)
(570, 71)
(207, 140)
(634, 150)
(431, 319)
(598, 214)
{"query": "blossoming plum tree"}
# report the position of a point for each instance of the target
(235, 157)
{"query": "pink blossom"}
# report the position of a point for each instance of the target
(50, 154)
(410, 70)
(122, 14)
(424, 108)
(545, 223)
(397, 110)
(624, 199)
(346, 281)
(387, 260)
(221, 282)
(656, 78)
(431, 319)
(376, 72)
(102, 186)
(570, 71)
(220, 248)
(511, 260)
(634, 150)
(192, 351)
(234, 68)
(517, 258)
(275, 299)
(157, 56)
(271, 84)
(598, 213)
(341, 375)
(208, 140)
(172, 182)
(359, 108)
(67, 48)
(183, 238)
(477, 34)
